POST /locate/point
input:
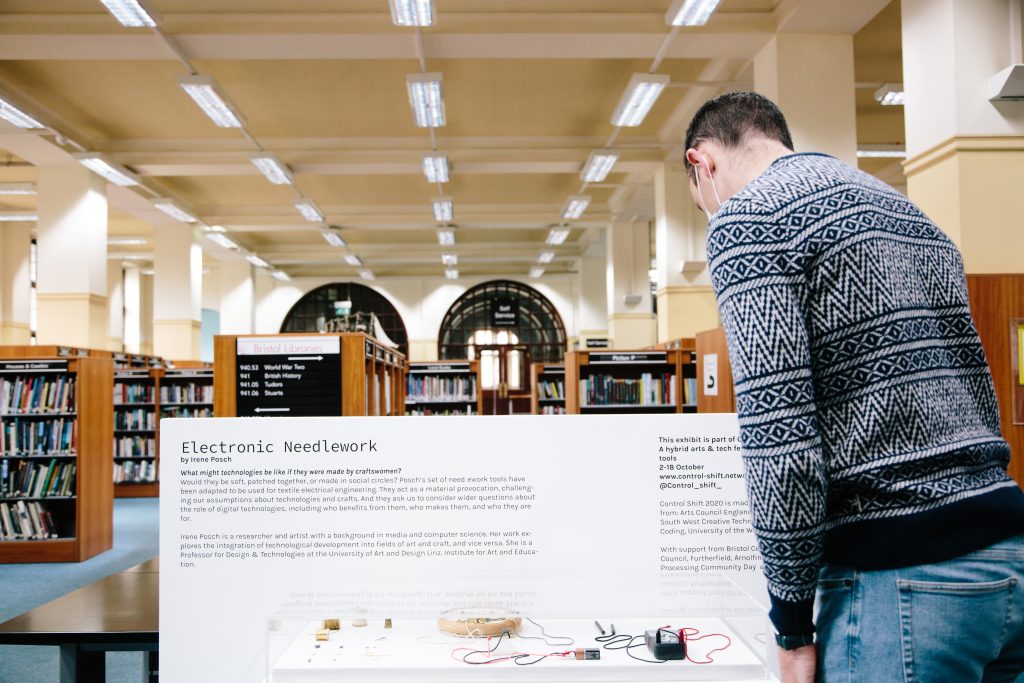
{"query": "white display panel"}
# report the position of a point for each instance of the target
(254, 510)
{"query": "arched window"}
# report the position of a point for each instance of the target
(502, 312)
(312, 312)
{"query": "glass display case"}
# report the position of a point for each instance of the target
(570, 627)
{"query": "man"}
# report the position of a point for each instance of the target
(868, 420)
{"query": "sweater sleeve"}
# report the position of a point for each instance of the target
(761, 287)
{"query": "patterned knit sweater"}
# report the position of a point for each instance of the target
(868, 419)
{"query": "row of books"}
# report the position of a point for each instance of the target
(552, 410)
(134, 447)
(549, 389)
(428, 412)
(28, 479)
(690, 391)
(27, 394)
(186, 393)
(133, 393)
(647, 390)
(433, 388)
(23, 521)
(143, 471)
(140, 418)
(185, 411)
(37, 437)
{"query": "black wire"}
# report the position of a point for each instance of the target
(515, 658)
(624, 641)
(547, 636)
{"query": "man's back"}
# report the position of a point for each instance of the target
(869, 423)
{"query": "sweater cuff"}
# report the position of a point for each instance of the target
(792, 618)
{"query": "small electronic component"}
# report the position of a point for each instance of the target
(323, 634)
(599, 627)
(387, 622)
(665, 643)
(332, 624)
(587, 653)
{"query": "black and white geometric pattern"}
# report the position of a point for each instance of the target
(861, 385)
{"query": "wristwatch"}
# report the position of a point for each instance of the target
(793, 642)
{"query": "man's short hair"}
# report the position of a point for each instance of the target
(726, 119)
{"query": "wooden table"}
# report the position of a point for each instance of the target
(116, 613)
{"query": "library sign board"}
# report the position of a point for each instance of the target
(504, 312)
(20, 367)
(296, 376)
(256, 512)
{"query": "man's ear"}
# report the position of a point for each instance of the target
(700, 159)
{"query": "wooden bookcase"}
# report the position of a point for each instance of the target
(712, 343)
(371, 377)
(547, 389)
(136, 421)
(83, 520)
(444, 388)
(629, 382)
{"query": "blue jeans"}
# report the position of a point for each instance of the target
(959, 621)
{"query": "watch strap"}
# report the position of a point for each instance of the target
(793, 642)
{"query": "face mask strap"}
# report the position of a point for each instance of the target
(696, 175)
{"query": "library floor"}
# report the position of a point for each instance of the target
(136, 539)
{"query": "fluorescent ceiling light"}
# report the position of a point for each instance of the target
(281, 276)
(353, 260)
(272, 167)
(536, 272)
(16, 117)
(690, 12)
(641, 94)
(446, 237)
(18, 189)
(412, 12)
(895, 153)
(223, 240)
(436, 168)
(333, 237)
(214, 103)
(131, 13)
(309, 210)
(450, 259)
(126, 241)
(557, 235)
(114, 172)
(444, 209)
(215, 228)
(890, 94)
(451, 273)
(11, 216)
(175, 210)
(598, 165)
(366, 274)
(256, 261)
(147, 271)
(426, 99)
(545, 257)
(575, 206)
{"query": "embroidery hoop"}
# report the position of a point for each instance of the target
(480, 622)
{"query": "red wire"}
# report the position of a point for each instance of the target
(688, 633)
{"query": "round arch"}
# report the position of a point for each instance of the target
(316, 307)
(536, 323)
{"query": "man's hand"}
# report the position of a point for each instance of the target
(797, 666)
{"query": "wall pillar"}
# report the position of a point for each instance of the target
(177, 293)
(631, 321)
(686, 302)
(15, 283)
(237, 297)
(72, 248)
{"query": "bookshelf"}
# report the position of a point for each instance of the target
(630, 382)
(712, 350)
(444, 388)
(135, 432)
(306, 374)
(56, 499)
(547, 389)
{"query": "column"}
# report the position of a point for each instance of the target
(146, 313)
(592, 314)
(132, 294)
(811, 78)
(115, 306)
(965, 153)
(686, 302)
(72, 248)
(237, 294)
(631, 321)
(15, 283)
(177, 293)
(263, 321)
